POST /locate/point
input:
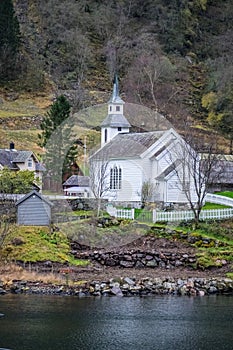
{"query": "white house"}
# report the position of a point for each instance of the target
(16, 160)
(131, 166)
(77, 185)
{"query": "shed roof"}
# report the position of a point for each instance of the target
(77, 180)
(33, 193)
(222, 172)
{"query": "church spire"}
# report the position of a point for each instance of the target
(115, 92)
(115, 122)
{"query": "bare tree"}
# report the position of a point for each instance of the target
(149, 77)
(99, 179)
(147, 192)
(7, 215)
(194, 165)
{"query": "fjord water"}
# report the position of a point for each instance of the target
(109, 323)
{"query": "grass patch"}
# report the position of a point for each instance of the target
(32, 244)
(24, 106)
(213, 241)
(214, 206)
(23, 139)
(228, 194)
(87, 232)
(82, 213)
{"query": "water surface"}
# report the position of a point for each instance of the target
(167, 322)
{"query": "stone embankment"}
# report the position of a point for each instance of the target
(139, 258)
(126, 287)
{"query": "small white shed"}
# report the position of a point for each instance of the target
(33, 210)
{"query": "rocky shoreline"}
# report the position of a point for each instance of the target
(126, 287)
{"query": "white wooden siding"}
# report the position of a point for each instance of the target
(132, 178)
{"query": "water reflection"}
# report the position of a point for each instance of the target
(57, 323)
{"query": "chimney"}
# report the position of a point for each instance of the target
(12, 145)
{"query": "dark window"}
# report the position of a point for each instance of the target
(110, 108)
(118, 108)
(105, 135)
(119, 129)
(115, 178)
(30, 163)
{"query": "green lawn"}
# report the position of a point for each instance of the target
(32, 244)
(225, 193)
(214, 206)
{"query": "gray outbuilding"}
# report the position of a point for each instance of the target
(33, 210)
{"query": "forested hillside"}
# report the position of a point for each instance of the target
(173, 56)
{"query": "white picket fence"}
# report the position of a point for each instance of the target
(217, 199)
(186, 215)
(120, 213)
(173, 216)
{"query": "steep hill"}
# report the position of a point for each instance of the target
(175, 58)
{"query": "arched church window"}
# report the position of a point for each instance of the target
(115, 178)
(105, 135)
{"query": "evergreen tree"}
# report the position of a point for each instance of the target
(9, 40)
(59, 141)
(58, 113)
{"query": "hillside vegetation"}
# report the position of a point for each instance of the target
(172, 56)
(212, 243)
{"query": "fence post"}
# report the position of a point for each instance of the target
(132, 213)
(154, 215)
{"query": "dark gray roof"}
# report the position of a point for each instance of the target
(22, 156)
(77, 180)
(33, 193)
(7, 159)
(40, 167)
(10, 158)
(222, 173)
(127, 145)
(115, 121)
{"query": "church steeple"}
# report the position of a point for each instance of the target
(115, 122)
(115, 92)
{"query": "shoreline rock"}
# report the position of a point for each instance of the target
(126, 287)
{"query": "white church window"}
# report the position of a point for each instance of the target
(115, 178)
(118, 108)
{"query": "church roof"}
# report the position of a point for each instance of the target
(115, 121)
(128, 145)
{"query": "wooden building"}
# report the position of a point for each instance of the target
(33, 210)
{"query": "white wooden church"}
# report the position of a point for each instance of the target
(131, 166)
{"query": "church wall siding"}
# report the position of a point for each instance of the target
(132, 177)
